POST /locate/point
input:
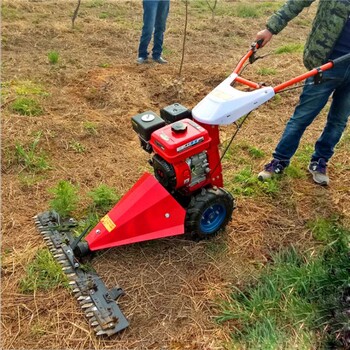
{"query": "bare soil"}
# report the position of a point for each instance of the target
(173, 286)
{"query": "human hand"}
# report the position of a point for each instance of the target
(265, 35)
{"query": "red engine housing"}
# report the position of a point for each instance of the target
(187, 155)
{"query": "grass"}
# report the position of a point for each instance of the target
(28, 88)
(53, 57)
(290, 48)
(265, 71)
(292, 304)
(246, 183)
(26, 100)
(77, 147)
(26, 106)
(104, 198)
(30, 157)
(65, 198)
(29, 180)
(90, 128)
(42, 273)
(95, 3)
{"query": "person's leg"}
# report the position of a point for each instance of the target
(337, 118)
(159, 28)
(312, 100)
(336, 122)
(149, 18)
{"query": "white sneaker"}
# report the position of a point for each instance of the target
(142, 60)
(271, 169)
(318, 171)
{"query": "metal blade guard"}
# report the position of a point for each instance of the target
(97, 302)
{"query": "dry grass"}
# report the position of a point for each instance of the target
(172, 285)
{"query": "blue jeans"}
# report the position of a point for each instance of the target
(155, 13)
(312, 100)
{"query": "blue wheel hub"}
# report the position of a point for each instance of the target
(212, 218)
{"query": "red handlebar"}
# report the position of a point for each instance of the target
(282, 86)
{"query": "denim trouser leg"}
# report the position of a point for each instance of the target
(312, 100)
(149, 19)
(159, 29)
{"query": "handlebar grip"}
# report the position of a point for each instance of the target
(259, 43)
(341, 59)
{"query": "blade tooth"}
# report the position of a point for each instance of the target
(72, 283)
(46, 232)
(94, 324)
(92, 319)
(67, 268)
(71, 275)
(62, 258)
(82, 297)
(89, 314)
(35, 217)
(47, 238)
(76, 290)
(100, 333)
(86, 306)
(86, 301)
(91, 309)
(59, 255)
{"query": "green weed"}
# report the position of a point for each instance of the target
(276, 100)
(290, 48)
(264, 71)
(303, 155)
(10, 13)
(295, 172)
(26, 106)
(324, 229)
(95, 3)
(246, 183)
(292, 304)
(247, 11)
(104, 197)
(256, 153)
(90, 128)
(65, 198)
(53, 57)
(42, 273)
(77, 147)
(30, 157)
(29, 180)
(27, 88)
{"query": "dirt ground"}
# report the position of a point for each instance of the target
(173, 286)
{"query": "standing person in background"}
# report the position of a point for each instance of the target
(155, 14)
(329, 39)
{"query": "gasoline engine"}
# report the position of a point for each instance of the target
(180, 147)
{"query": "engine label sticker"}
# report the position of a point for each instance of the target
(108, 223)
(190, 144)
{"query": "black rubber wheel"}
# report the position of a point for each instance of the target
(208, 212)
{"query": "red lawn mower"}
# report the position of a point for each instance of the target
(185, 195)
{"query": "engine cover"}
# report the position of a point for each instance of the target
(180, 158)
(177, 141)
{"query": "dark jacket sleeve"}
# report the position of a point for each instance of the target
(286, 13)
